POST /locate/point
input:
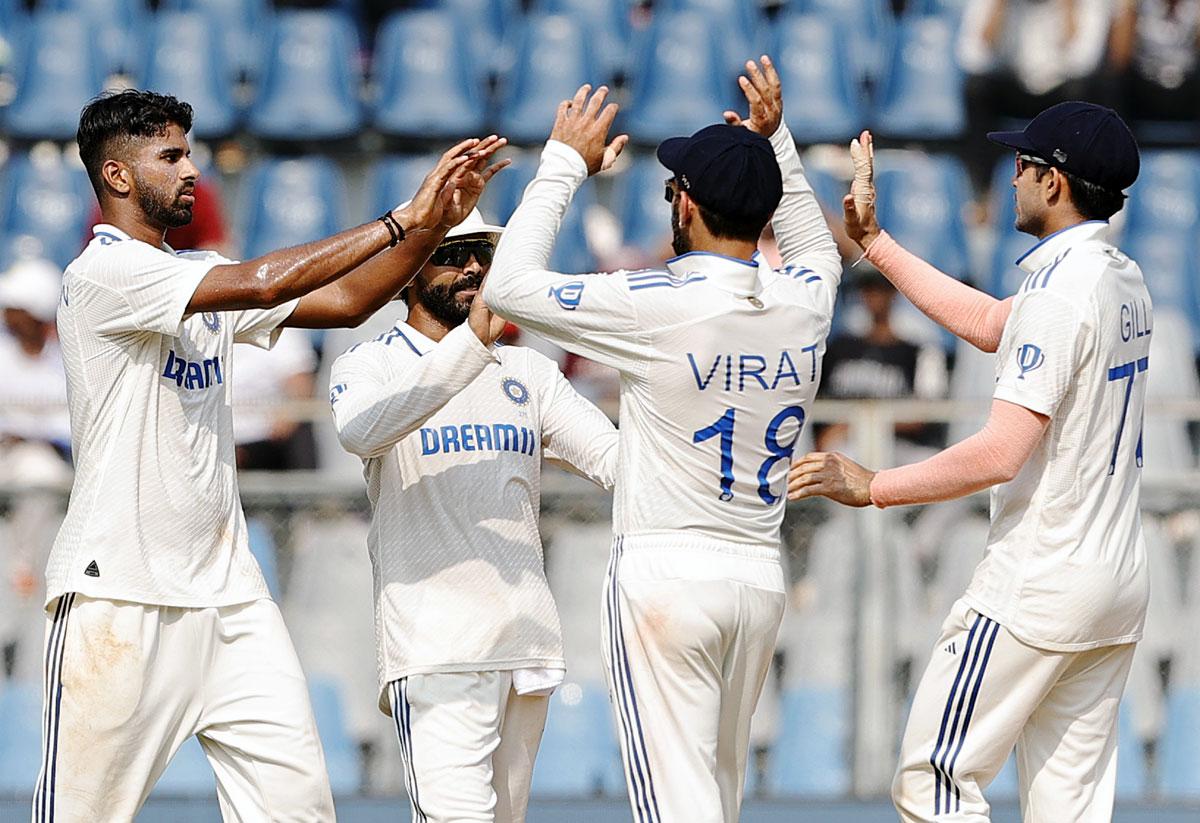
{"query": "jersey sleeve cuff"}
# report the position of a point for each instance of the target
(1024, 399)
(559, 158)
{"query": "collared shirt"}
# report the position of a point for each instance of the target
(154, 515)
(719, 358)
(1065, 567)
(452, 436)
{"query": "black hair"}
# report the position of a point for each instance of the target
(121, 116)
(732, 228)
(1093, 202)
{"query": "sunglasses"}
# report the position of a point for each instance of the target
(1024, 160)
(457, 254)
(672, 189)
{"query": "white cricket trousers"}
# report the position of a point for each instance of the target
(127, 683)
(983, 692)
(468, 742)
(689, 635)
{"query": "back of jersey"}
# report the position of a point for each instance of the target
(708, 424)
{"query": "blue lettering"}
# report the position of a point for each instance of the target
(703, 384)
(467, 433)
(812, 349)
(728, 372)
(174, 369)
(483, 434)
(785, 358)
(450, 436)
(761, 362)
(429, 441)
(507, 442)
(195, 376)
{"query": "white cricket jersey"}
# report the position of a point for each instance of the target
(452, 435)
(1065, 567)
(719, 358)
(154, 515)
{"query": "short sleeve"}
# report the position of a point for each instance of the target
(1045, 339)
(261, 327)
(133, 286)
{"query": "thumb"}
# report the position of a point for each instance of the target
(733, 118)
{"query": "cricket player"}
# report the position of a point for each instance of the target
(719, 358)
(452, 433)
(160, 625)
(1037, 651)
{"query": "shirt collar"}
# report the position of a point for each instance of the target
(742, 277)
(1052, 245)
(113, 233)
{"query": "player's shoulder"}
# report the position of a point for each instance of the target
(524, 358)
(395, 343)
(1074, 274)
(203, 256)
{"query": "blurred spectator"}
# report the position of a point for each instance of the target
(268, 438)
(879, 364)
(1154, 50)
(207, 230)
(1021, 56)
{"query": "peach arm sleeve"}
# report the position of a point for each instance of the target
(990, 456)
(968, 313)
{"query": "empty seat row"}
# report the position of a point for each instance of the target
(428, 82)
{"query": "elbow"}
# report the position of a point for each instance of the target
(353, 442)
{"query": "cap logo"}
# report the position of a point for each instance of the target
(1060, 155)
(683, 178)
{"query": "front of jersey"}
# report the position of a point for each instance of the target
(453, 436)
(154, 515)
(719, 358)
(1065, 567)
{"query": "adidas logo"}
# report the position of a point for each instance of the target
(952, 649)
(92, 570)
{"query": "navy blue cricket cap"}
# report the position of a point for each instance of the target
(1089, 141)
(727, 169)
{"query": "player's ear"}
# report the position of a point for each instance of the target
(117, 177)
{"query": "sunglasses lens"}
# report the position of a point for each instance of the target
(458, 254)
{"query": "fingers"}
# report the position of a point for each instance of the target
(580, 97)
(751, 92)
(596, 102)
(772, 76)
(733, 118)
(613, 150)
(457, 149)
(756, 78)
(444, 170)
(607, 116)
(492, 170)
(489, 146)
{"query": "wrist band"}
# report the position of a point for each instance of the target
(394, 228)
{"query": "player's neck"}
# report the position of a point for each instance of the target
(421, 319)
(741, 249)
(135, 225)
(1056, 222)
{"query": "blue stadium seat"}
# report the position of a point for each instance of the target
(682, 82)
(812, 754)
(395, 180)
(579, 755)
(20, 737)
(428, 85)
(44, 207)
(638, 196)
(921, 93)
(554, 57)
(571, 253)
(607, 25)
(341, 752)
(310, 83)
(1179, 764)
(821, 98)
(739, 22)
(59, 70)
(243, 23)
(869, 23)
(1163, 219)
(290, 202)
(115, 25)
(262, 546)
(920, 201)
(486, 20)
(188, 773)
(186, 57)
(1132, 773)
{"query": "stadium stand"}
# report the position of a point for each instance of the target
(291, 201)
(638, 199)
(920, 94)
(44, 203)
(395, 179)
(428, 84)
(242, 24)
(815, 82)
(114, 25)
(607, 25)
(186, 57)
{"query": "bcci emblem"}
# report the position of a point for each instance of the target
(212, 320)
(515, 391)
(1029, 357)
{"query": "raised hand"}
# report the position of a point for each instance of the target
(583, 123)
(470, 179)
(487, 325)
(425, 211)
(832, 475)
(765, 96)
(858, 206)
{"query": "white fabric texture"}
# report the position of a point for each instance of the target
(468, 742)
(154, 515)
(33, 380)
(1065, 567)
(985, 691)
(453, 435)
(128, 683)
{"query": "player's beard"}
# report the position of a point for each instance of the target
(162, 207)
(442, 301)
(680, 242)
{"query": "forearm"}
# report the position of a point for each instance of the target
(371, 417)
(800, 227)
(968, 313)
(352, 298)
(993, 455)
(529, 236)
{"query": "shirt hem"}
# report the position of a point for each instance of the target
(392, 675)
(141, 598)
(1044, 643)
